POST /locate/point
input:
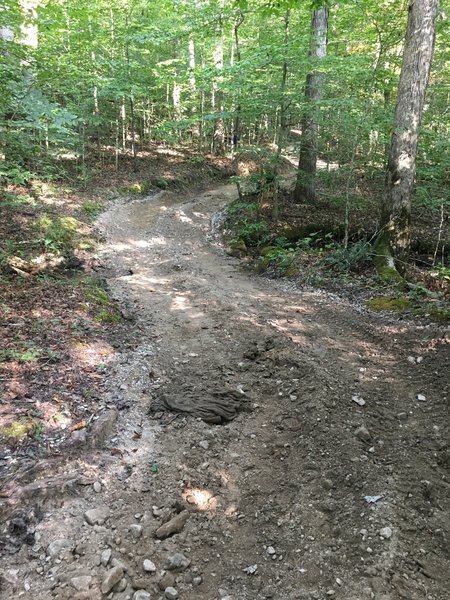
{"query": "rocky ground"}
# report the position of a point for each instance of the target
(255, 440)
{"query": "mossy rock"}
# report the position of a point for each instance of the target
(238, 245)
(18, 430)
(237, 248)
(389, 303)
(292, 271)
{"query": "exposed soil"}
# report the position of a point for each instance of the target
(331, 480)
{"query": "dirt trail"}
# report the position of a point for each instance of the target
(333, 405)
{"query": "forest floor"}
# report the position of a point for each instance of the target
(305, 456)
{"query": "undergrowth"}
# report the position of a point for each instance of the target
(320, 258)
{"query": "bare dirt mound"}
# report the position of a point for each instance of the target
(327, 476)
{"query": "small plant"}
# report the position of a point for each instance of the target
(352, 258)
(30, 355)
(58, 232)
(92, 208)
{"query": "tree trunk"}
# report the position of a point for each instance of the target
(394, 241)
(305, 189)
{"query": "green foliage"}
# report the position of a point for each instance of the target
(30, 354)
(58, 232)
(92, 208)
(352, 258)
(104, 308)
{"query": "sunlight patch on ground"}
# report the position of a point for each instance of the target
(92, 353)
(182, 216)
(202, 499)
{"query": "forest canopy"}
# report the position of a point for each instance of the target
(88, 81)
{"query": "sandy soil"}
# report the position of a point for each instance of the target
(330, 482)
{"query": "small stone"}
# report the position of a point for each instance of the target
(421, 397)
(141, 595)
(204, 444)
(196, 581)
(81, 583)
(113, 576)
(136, 531)
(97, 487)
(270, 550)
(358, 400)
(55, 548)
(97, 516)
(177, 561)
(411, 360)
(386, 533)
(362, 433)
(149, 566)
(105, 556)
(167, 580)
(171, 593)
(331, 593)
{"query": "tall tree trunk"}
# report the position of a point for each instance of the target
(280, 135)
(238, 57)
(193, 86)
(394, 241)
(217, 94)
(305, 189)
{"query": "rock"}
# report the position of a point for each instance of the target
(362, 433)
(358, 400)
(171, 593)
(204, 444)
(386, 533)
(97, 487)
(55, 548)
(81, 583)
(102, 428)
(177, 561)
(139, 583)
(270, 550)
(149, 566)
(79, 437)
(175, 525)
(167, 580)
(113, 576)
(421, 397)
(136, 531)
(121, 586)
(141, 595)
(105, 556)
(97, 516)
(198, 580)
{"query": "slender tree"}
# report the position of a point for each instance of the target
(305, 189)
(394, 241)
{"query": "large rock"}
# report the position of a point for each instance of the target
(97, 516)
(55, 548)
(113, 576)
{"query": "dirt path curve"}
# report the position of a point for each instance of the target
(335, 406)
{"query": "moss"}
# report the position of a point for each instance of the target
(292, 271)
(389, 303)
(383, 260)
(238, 245)
(18, 430)
(439, 314)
